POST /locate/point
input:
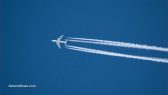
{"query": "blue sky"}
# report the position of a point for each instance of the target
(29, 56)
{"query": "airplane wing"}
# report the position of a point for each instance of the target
(58, 41)
(58, 44)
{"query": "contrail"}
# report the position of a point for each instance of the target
(95, 51)
(58, 42)
(118, 44)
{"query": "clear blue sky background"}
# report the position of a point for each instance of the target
(29, 57)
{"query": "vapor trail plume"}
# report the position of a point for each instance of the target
(95, 51)
(116, 43)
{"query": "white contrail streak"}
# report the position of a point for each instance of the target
(95, 51)
(116, 43)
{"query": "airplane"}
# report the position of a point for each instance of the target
(58, 41)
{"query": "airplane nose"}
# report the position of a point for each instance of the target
(53, 40)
